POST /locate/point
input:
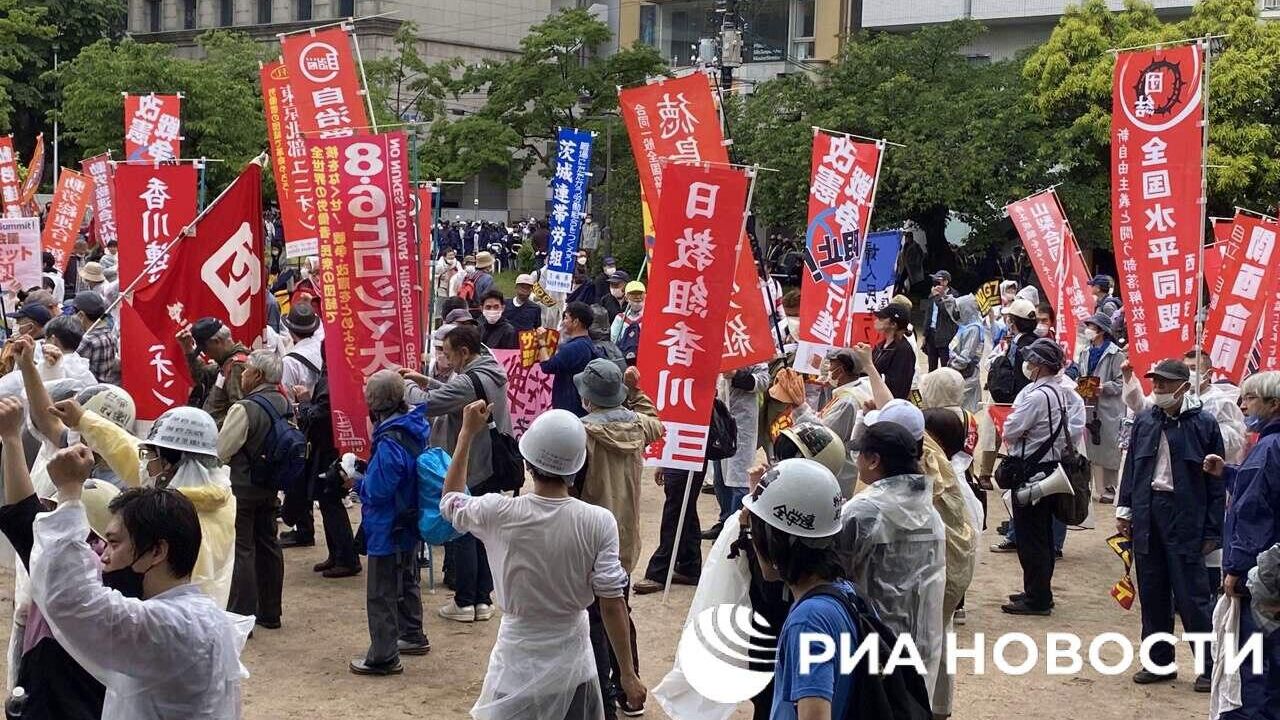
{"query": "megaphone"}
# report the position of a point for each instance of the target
(1041, 487)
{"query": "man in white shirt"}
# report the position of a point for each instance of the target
(172, 654)
(552, 555)
(305, 359)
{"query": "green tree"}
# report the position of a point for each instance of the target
(222, 104)
(22, 25)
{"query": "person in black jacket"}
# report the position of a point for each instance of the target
(940, 321)
(893, 356)
(314, 422)
(611, 297)
(495, 331)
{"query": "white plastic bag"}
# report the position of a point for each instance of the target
(1225, 695)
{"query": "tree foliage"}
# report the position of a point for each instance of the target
(22, 25)
(221, 109)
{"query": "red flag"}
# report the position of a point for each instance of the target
(1056, 259)
(152, 130)
(326, 87)
(154, 203)
(426, 199)
(1248, 281)
(103, 198)
(999, 414)
(294, 189)
(35, 173)
(1213, 256)
(367, 270)
(66, 215)
(1155, 194)
(155, 374)
(699, 223)
(748, 339)
(843, 176)
(10, 185)
(217, 272)
(671, 120)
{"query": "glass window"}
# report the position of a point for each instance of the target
(226, 12)
(189, 14)
(765, 35)
(153, 15)
(304, 9)
(346, 8)
(649, 25)
(803, 12)
(264, 11)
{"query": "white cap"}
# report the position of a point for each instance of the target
(185, 429)
(799, 497)
(524, 279)
(1022, 308)
(900, 412)
(555, 443)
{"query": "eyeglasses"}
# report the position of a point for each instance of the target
(147, 454)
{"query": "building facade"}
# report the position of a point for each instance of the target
(473, 30)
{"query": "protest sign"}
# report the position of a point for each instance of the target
(152, 129)
(1056, 258)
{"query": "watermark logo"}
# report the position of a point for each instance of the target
(715, 653)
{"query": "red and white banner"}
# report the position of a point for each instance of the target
(367, 270)
(66, 215)
(154, 203)
(35, 173)
(748, 338)
(1155, 197)
(155, 374)
(152, 130)
(699, 225)
(1248, 281)
(425, 208)
(323, 74)
(99, 169)
(289, 161)
(671, 120)
(1269, 335)
(216, 272)
(1056, 258)
(19, 253)
(843, 175)
(528, 389)
(10, 185)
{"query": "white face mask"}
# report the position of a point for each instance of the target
(471, 268)
(615, 291)
(1042, 330)
(492, 316)
(636, 307)
(1169, 402)
(305, 272)
(145, 478)
(1028, 370)
(609, 271)
(1090, 334)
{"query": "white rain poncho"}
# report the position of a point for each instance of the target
(842, 415)
(895, 546)
(176, 655)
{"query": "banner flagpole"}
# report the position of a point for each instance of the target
(675, 545)
(1204, 196)
(368, 98)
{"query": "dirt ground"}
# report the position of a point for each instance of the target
(301, 669)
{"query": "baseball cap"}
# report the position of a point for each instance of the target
(203, 330)
(34, 312)
(1021, 308)
(619, 277)
(887, 438)
(896, 313)
(635, 286)
(941, 275)
(459, 316)
(90, 303)
(609, 261)
(1101, 281)
(1048, 353)
(1170, 369)
(899, 412)
(524, 279)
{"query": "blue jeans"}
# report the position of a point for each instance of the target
(729, 498)
(1059, 534)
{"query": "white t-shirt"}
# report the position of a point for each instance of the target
(549, 556)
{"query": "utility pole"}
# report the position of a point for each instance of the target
(730, 40)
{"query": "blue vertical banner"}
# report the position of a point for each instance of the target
(875, 282)
(568, 206)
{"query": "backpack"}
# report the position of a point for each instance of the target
(1005, 378)
(722, 438)
(431, 465)
(507, 469)
(282, 460)
(899, 695)
(605, 350)
(629, 342)
(1072, 509)
(467, 290)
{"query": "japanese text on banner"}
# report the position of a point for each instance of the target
(289, 161)
(98, 168)
(1243, 289)
(1056, 258)
(1155, 193)
(671, 120)
(568, 205)
(841, 190)
(153, 204)
(367, 269)
(10, 186)
(875, 283)
(748, 338)
(528, 388)
(699, 223)
(66, 215)
(19, 253)
(326, 87)
(152, 129)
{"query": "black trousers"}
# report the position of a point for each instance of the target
(472, 578)
(938, 356)
(295, 511)
(606, 662)
(1035, 552)
(393, 604)
(337, 531)
(688, 547)
(1169, 581)
(257, 581)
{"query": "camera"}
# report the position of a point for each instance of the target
(1094, 427)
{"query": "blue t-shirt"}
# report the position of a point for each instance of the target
(825, 616)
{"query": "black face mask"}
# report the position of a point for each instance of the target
(126, 581)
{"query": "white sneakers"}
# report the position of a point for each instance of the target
(466, 613)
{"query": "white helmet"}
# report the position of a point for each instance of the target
(555, 443)
(799, 497)
(96, 496)
(185, 429)
(817, 442)
(111, 402)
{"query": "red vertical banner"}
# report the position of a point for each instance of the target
(66, 215)
(154, 203)
(1156, 177)
(1057, 261)
(35, 173)
(1269, 336)
(103, 198)
(426, 205)
(367, 269)
(10, 185)
(748, 338)
(289, 161)
(1247, 282)
(322, 72)
(671, 120)
(699, 226)
(155, 374)
(152, 128)
(843, 175)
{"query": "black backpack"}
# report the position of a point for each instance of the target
(722, 439)
(281, 462)
(1005, 378)
(629, 342)
(899, 695)
(507, 469)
